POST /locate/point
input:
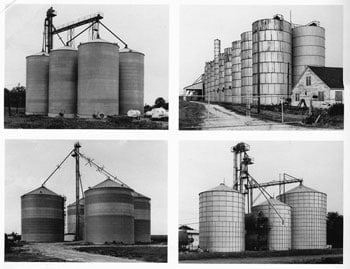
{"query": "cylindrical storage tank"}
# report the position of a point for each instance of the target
(308, 48)
(280, 231)
(71, 218)
(221, 220)
(109, 213)
(37, 81)
(211, 78)
(42, 216)
(228, 75)
(63, 82)
(142, 216)
(246, 68)
(131, 81)
(309, 217)
(98, 79)
(272, 60)
(221, 77)
(217, 52)
(206, 81)
(236, 72)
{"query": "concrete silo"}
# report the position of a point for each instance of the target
(236, 72)
(63, 82)
(221, 93)
(246, 68)
(42, 217)
(228, 75)
(280, 233)
(98, 79)
(221, 220)
(109, 213)
(71, 218)
(206, 81)
(217, 51)
(212, 90)
(142, 216)
(37, 81)
(309, 217)
(131, 81)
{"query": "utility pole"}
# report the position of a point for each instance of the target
(77, 198)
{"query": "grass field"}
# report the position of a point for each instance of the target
(191, 115)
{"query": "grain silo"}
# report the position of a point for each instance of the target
(280, 233)
(217, 50)
(109, 213)
(42, 216)
(206, 81)
(131, 81)
(71, 218)
(309, 217)
(236, 72)
(142, 218)
(37, 81)
(246, 68)
(308, 48)
(63, 70)
(228, 75)
(221, 220)
(98, 79)
(221, 77)
(212, 90)
(272, 60)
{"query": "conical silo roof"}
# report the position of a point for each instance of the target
(124, 50)
(139, 195)
(301, 188)
(109, 183)
(98, 40)
(42, 190)
(81, 202)
(64, 48)
(221, 187)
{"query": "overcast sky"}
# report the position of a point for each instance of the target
(206, 164)
(142, 165)
(144, 28)
(200, 25)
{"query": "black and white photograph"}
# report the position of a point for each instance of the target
(261, 202)
(86, 201)
(86, 66)
(261, 68)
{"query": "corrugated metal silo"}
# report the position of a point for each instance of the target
(131, 81)
(221, 220)
(280, 234)
(236, 72)
(308, 48)
(309, 217)
(109, 213)
(212, 81)
(142, 215)
(98, 79)
(228, 75)
(272, 60)
(37, 81)
(42, 216)
(221, 77)
(246, 68)
(71, 218)
(217, 51)
(206, 81)
(63, 82)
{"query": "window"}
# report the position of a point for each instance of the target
(320, 96)
(308, 80)
(297, 97)
(339, 96)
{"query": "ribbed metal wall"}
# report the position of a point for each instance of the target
(309, 217)
(217, 50)
(212, 80)
(63, 82)
(280, 234)
(308, 49)
(37, 81)
(142, 216)
(272, 60)
(206, 81)
(42, 216)
(236, 72)
(228, 75)
(221, 220)
(246, 68)
(71, 218)
(221, 77)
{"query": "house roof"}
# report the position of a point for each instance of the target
(332, 76)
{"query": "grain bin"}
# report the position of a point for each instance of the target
(308, 48)
(109, 213)
(42, 216)
(71, 218)
(236, 72)
(217, 51)
(206, 81)
(98, 79)
(142, 216)
(131, 81)
(63, 78)
(228, 75)
(37, 81)
(272, 60)
(221, 77)
(309, 217)
(212, 90)
(221, 220)
(246, 68)
(280, 233)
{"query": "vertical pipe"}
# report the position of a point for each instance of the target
(240, 176)
(77, 181)
(235, 170)
(251, 199)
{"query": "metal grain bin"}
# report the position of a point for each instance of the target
(63, 81)
(280, 233)
(37, 81)
(212, 90)
(42, 217)
(221, 77)
(206, 81)
(109, 213)
(142, 216)
(217, 51)
(272, 60)
(236, 72)
(308, 48)
(131, 81)
(246, 68)
(228, 75)
(71, 218)
(221, 220)
(98, 79)
(309, 217)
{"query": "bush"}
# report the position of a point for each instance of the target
(336, 109)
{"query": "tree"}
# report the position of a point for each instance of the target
(335, 229)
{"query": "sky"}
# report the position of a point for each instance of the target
(197, 31)
(319, 164)
(144, 28)
(29, 162)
